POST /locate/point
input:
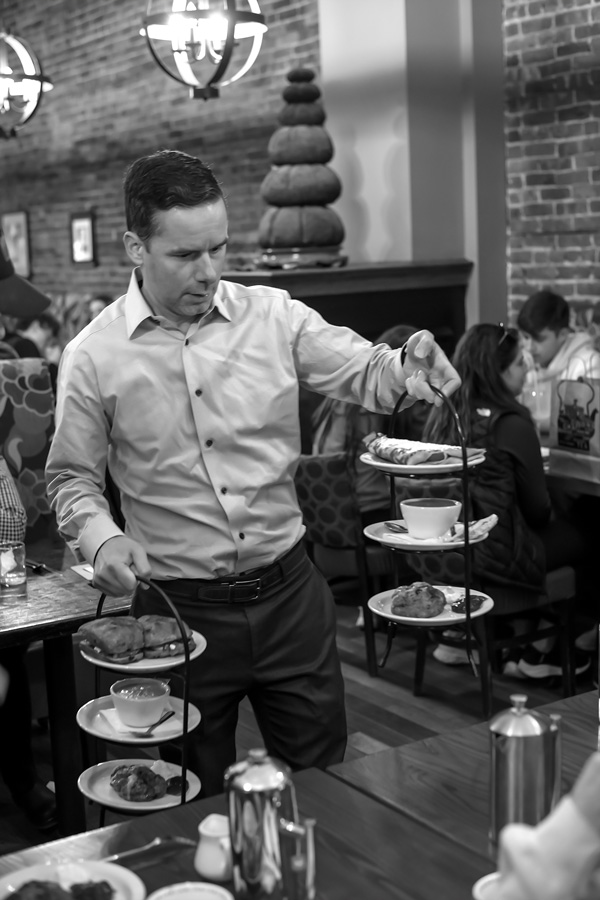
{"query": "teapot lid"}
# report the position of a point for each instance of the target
(518, 721)
(259, 772)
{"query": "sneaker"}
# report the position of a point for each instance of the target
(453, 656)
(534, 664)
(588, 641)
(510, 666)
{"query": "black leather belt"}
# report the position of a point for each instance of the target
(247, 587)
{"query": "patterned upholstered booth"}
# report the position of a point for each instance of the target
(26, 429)
(327, 498)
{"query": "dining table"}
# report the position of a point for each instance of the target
(58, 601)
(363, 848)
(443, 782)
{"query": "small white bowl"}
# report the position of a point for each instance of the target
(429, 517)
(192, 890)
(139, 702)
(485, 888)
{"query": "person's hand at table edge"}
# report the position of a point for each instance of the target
(425, 364)
(116, 565)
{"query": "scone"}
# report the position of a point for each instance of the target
(419, 600)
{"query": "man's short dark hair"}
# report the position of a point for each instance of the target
(164, 180)
(544, 309)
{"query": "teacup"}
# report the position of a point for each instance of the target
(139, 702)
(486, 887)
(429, 517)
(213, 856)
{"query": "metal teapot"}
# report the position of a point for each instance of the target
(273, 852)
(526, 766)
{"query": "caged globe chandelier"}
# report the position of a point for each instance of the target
(195, 42)
(22, 83)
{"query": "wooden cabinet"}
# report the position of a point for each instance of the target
(371, 297)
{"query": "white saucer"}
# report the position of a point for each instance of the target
(381, 605)
(390, 468)
(126, 884)
(378, 532)
(90, 719)
(192, 890)
(94, 783)
(149, 665)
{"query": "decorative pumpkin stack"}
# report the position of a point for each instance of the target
(299, 229)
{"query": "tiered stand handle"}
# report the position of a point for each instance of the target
(185, 678)
(465, 494)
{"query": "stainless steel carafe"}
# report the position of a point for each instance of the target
(525, 766)
(273, 852)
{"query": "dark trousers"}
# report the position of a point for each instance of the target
(17, 765)
(278, 651)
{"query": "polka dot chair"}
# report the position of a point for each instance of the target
(325, 485)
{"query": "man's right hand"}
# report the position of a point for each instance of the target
(116, 565)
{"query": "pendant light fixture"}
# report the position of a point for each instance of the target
(196, 41)
(22, 83)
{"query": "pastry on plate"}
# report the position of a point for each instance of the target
(137, 783)
(418, 600)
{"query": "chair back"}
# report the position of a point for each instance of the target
(327, 498)
(26, 431)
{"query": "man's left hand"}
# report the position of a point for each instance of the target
(426, 364)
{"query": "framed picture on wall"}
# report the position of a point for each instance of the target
(82, 238)
(15, 228)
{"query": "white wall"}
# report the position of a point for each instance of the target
(413, 91)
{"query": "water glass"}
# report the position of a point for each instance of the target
(13, 573)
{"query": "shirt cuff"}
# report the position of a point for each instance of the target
(97, 532)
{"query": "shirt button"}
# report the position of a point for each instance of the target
(198, 391)
(242, 536)
(209, 443)
(223, 490)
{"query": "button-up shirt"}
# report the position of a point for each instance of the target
(200, 430)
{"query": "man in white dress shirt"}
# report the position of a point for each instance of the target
(186, 388)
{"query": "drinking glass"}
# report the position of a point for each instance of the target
(13, 573)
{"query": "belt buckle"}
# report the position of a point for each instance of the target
(254, 581)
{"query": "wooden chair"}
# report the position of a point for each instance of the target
(325, 485)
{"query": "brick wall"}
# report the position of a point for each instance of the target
(553, 149)
(110, 104)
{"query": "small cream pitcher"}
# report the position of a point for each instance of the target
(213, 855)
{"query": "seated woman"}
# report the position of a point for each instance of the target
(528, 539)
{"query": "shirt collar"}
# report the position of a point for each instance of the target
(137, 309)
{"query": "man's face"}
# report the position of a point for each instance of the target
(544, 348)
(183, 260)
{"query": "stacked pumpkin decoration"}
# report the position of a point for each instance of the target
(299, 228)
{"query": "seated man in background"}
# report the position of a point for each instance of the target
(36, 337)
(557, 352)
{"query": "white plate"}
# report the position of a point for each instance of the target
(390, 468)
(192, 890)
(378, 532)
(485, 887)
(381, 605)
(94, 783)
(90, 718)
(127, 885)
(149, 665)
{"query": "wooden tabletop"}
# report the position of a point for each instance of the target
(57, 604)
(443, 782)
(364, 849)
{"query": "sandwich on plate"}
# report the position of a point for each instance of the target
(116, 639)
(162, 636)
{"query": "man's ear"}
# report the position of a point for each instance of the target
(563, 334)
(134, 247)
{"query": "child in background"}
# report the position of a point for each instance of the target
(557, 352)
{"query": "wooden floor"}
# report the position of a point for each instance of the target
(382, 712)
